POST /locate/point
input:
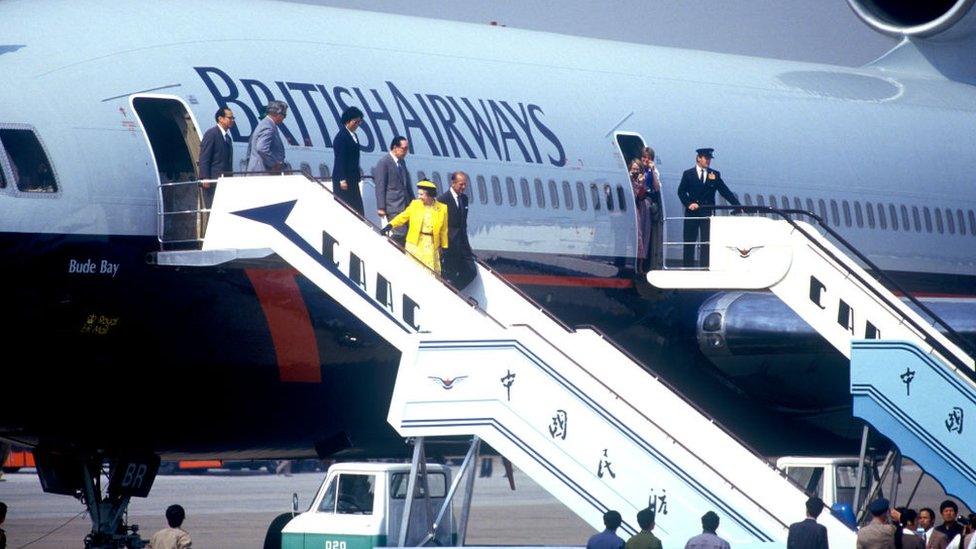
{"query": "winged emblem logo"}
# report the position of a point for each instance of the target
(447, 383)
(745, 252)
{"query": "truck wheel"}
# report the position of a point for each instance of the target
(272, 540)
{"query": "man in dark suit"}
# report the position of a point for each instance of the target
(457, 261)
(216, 150)
(345, 169)
(392, 182)
(808, 534)
(697, 189)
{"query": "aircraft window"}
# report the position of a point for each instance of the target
(324, 172)
(916, 219)
(938, 221)
(436, 179)
(286, 167)
(904, 218)
(785, 202)
(621, 198)
(327, 505)
(858, 215)
(540, 193)
(553, 195)
(822, 208)
(510, 187)
(882, 216)
(747, 198)
(928, 219)
(797, 203)
(834, 214)
(810, 207)
(595, 196)
(962, 222)
(893, 214)
(950, 221)
(608, 196)
(869, 210)
(526, 195)
(421, 175)
(31, 169)
(972, 223)
(496, 190)
(581, 196)
(760, 201)
(482, 190)
(772, 202)
(305, 168)
(242, 165)
(847, 212)
(355, 496)
(568, 195)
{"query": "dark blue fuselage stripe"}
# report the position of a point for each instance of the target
(609, 418)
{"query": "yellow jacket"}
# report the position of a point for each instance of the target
(414, 214)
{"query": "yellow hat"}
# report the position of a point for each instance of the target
(425, 184)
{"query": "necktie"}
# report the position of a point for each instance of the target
(227, 139)
(703, 177)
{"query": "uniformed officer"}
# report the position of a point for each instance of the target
(697, 189)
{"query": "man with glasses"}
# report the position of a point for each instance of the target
(392, 182)
(266, 150)
(216, 150)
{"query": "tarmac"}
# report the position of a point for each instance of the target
(233, 509)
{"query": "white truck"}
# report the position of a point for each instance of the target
(833, 479)
(360, 506)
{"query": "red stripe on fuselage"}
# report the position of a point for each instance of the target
(296, 350)
(575, 281)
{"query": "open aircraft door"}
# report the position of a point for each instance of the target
(174, 143)
(648, 231)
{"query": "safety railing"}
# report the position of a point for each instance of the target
(936, 322)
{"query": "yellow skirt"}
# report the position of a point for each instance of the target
(425, 253)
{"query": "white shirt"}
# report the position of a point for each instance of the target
(700, 171)
(353, 134)
(223, 132)
(457, 201)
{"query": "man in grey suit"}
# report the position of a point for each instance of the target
(265, 150)
(392, 181)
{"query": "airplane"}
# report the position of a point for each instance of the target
(115, 356)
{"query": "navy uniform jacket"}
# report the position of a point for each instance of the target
(691, 190)
(216, 154)
(807, 534)
(457, 224)
(346, 166)
(605, 540)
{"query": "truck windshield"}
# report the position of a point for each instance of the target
(437, 482)
(847, 481)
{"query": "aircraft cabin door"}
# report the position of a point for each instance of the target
(648, 210)
(174, 144)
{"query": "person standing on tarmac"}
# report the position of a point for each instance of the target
(607, 539)
(644, 539)
(173, 537)
(708, 539)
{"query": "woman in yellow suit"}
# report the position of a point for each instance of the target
(427, 233)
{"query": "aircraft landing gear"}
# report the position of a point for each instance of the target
(82, 477)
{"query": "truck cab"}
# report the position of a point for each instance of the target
(832, 479)
(360, 506)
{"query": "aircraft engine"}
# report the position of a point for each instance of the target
(932, 20)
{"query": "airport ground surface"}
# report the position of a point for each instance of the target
(233, 509)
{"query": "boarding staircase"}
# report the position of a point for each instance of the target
(911, 380)
(587, 421)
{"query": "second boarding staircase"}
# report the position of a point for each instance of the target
(585, 420)
(910, 381)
